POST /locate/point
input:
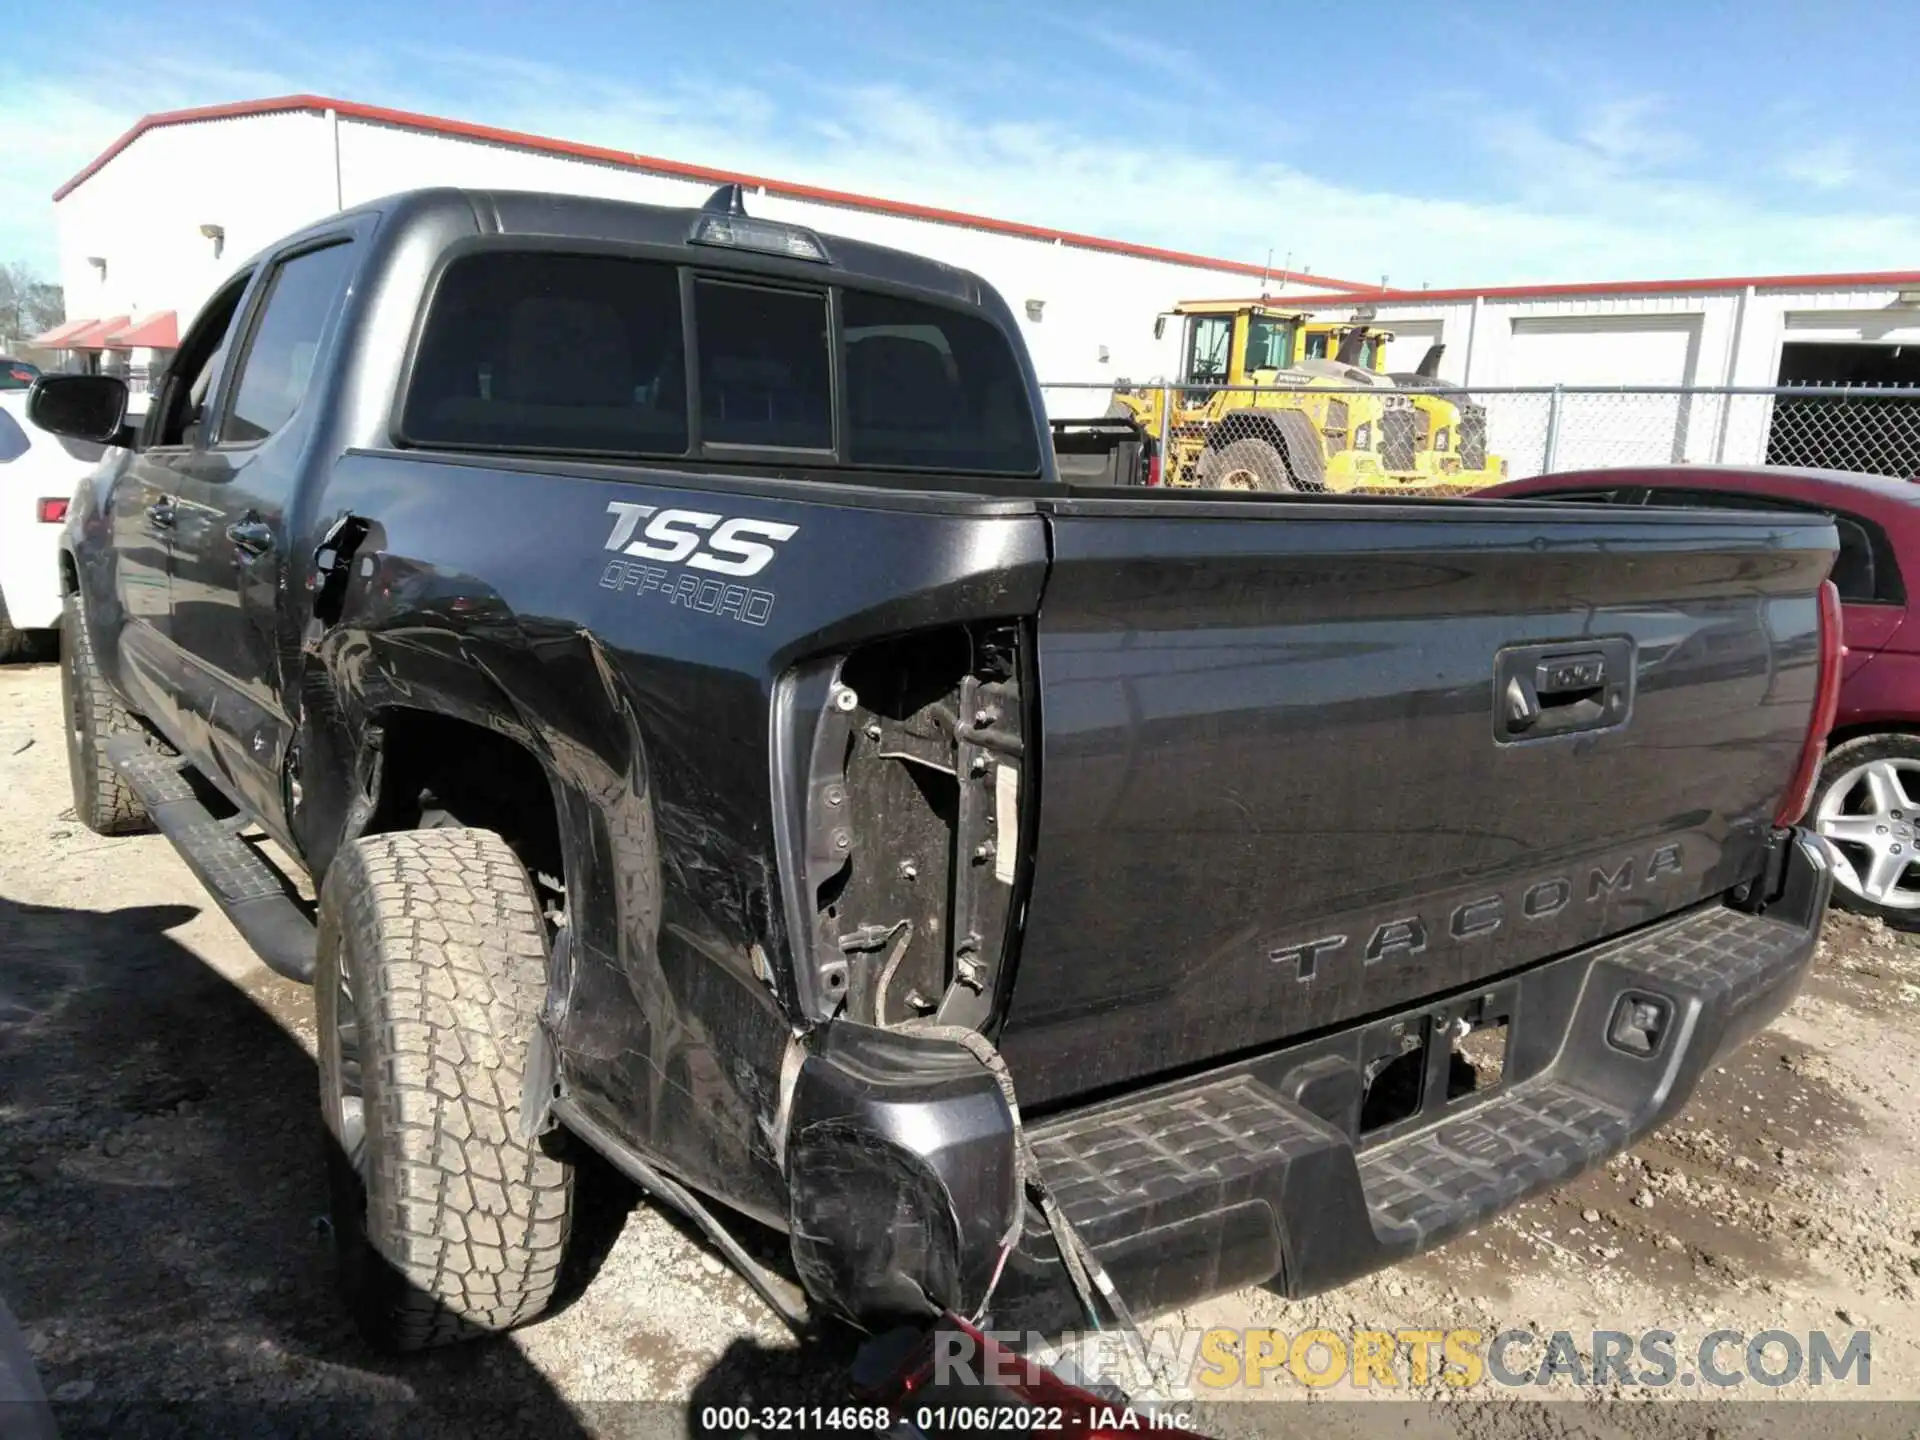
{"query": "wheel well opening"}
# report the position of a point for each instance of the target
(436, 770)
(1840, 737)
(69, 576)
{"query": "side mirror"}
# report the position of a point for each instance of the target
(81, 407)
(1159, 326)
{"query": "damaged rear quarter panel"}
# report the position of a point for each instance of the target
(646, 698)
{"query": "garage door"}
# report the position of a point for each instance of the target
(1411, 340)
(1598, 350)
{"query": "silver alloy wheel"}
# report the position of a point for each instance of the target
(349, 1099)
(1872, 820)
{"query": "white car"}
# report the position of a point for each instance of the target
(39, 473)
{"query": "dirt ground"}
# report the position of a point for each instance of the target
(161, 1194)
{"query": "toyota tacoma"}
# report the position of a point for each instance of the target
(711, 734)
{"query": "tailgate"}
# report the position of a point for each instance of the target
(1281, 790)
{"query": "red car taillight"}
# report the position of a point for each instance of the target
(52, 511)
(1826, 701)
(1153, 468)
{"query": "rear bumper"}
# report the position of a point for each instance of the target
(1253, 1172)
(30, 575)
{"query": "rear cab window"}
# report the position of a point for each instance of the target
(550, 351)
(932, 389)
(541, 351)
(765, 366)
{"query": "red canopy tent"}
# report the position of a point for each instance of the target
(159, 331)
(94, 336)
(58, 337)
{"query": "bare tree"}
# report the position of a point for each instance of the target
(28, 304)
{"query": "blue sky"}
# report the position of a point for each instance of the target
(1455, 143)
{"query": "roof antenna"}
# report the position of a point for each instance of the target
(727, 200)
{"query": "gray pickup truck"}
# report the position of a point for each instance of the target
(718, 737)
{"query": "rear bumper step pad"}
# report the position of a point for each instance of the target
(248, 890)
(1221, 1180)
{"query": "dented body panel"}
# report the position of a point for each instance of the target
(818, 770)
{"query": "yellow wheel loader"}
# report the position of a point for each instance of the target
(1444, 438)
(1292, 430)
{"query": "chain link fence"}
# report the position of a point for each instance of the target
(1446, 439)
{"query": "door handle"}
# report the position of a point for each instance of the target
(251, 537)
(161, 512)
(1542, 690)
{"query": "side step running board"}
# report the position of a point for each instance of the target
(240, 880)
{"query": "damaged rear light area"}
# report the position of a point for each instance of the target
(902, 770)
(909, 795)
(1826, 703)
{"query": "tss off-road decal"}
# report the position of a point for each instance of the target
(702, 541)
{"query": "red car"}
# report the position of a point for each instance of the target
(1868, 800)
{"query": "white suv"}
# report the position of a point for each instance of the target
(39, 473)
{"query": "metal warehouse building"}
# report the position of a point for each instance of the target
(1674, 350)
(151, 227)
(1749, 330)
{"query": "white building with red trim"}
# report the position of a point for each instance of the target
(1743, 330)
(149, 229)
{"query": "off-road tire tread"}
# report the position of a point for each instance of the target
(103, 801)
(446, 952)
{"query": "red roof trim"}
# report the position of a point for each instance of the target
(1861, 280)
(95, 335)
(56, 338)
(628, 160)
(159, 331)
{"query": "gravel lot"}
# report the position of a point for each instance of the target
(161, 1188)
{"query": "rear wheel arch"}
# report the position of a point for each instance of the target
(420, 768)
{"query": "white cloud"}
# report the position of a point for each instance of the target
(1617, 190)
(1833, 165)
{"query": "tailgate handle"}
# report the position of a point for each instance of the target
(1547, 690)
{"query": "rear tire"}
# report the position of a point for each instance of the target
(1249, 464)
(1867, 805)
(102, 799)
(431, 970)
(14, 644)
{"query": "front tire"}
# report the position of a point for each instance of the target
(102, 799)
(431, 970)
(1868, 807)
(1249, 464)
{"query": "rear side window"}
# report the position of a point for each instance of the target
(13, 439)
(765, 375)
(538, 351)
(1577, 497)
(932, 389)
(1863, 572)
(302, 295)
